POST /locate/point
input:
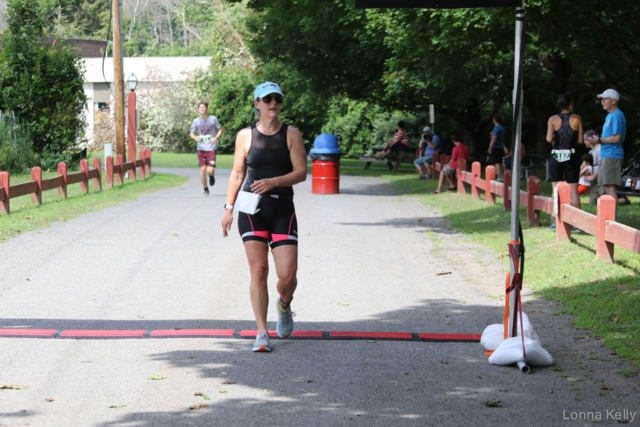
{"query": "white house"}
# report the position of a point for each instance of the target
(99, 79)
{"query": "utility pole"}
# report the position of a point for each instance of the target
(118, 78)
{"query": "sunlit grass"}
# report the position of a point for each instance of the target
(603, 297)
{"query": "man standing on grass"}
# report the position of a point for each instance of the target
(611, 152)
(207, 144)
(496, 146)
(591, 138)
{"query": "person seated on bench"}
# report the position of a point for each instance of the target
(506, 160)
(431, 144)
(400, 140)
(460, 151)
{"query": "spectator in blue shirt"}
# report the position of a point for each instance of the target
(611, 151)
(496, 147)
(431, 143)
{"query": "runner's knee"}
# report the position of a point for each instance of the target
(259, 273)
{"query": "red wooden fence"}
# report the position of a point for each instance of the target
(608, 232)
(37, 185)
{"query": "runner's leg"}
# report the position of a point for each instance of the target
(203, 176)
(257, 255)
(286, 260)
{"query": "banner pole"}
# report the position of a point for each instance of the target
(516, 167)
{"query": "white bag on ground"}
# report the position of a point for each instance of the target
(492, 336)
(510, 352)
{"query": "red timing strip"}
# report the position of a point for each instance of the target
(192, 333)
(450, 337)
(28, 332)
(88, 333)
(274, 334)
(379, 335)
(230, 333)
(307, 334)
(248, 333)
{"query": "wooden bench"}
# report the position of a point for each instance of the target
(403, 155)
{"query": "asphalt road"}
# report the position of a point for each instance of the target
(369, 260)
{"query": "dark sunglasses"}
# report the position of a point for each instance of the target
(267, 99)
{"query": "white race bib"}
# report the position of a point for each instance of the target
(247, 202)
(562, 155)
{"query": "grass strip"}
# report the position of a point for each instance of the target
(603, 297)
(25, 216)
(176, 160)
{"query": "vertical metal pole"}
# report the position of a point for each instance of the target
(118, 79)
(515, 177)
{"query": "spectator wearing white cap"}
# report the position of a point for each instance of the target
(431, 144)
(611, 152)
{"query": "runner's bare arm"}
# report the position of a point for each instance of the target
(577, 121)
(243, 142)
(298, 156)
(550, 130)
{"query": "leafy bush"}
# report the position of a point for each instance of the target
(166, 113)
(41, 84)
(16, 153)
(361, 124)
(353, 123)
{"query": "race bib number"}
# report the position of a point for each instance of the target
(205, 138)
(562, 155)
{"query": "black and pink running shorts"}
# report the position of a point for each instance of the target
(275, 223)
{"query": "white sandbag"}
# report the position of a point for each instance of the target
(492, 336)
(510, 352)
(529, 332)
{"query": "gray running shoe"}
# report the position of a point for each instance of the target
(284, 327)
(262, 344)
(206, 192)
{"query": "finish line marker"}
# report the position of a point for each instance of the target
(230, 333)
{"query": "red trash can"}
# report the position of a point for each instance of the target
(325, 177)
(325, 169)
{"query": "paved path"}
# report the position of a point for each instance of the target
(368, 262)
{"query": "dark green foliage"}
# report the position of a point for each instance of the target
(16, 154)
(78, 18)
(41, 84)
(460, 60)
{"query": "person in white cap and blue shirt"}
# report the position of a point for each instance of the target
(431, 144)
(612, 140)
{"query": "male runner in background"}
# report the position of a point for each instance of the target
(207, 143)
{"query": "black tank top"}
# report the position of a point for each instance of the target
(565, 137)
(269, 157)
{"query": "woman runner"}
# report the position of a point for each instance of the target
(272, 156)
(565, 132)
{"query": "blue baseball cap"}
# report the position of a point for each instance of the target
(265, 89)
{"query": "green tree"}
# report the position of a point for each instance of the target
(460, 60)
(41, 84)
